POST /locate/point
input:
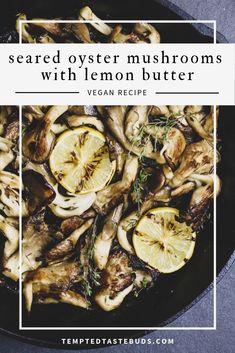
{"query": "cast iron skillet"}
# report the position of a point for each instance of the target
(175, 293)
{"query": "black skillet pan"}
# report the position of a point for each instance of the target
(173, 294)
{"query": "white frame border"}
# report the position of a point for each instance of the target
(207, 328)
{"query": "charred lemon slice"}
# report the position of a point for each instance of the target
(163, 242)
(80, 161)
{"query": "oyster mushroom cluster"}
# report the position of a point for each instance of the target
(94, 32)
(77, 246)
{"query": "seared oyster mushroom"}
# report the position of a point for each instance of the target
(55, 278)
(11, 234)
(81, 32)
(115, 120)
(71, 205)
(147, 32)
(39, 192)
(173, 142)
(65, 296)
(117, 282)
(31, 112)
(135, 118)
(65, 248)
(126, 225)
(6, 154)
(37, 238)
(10, 260)
(9, 195)
(38, 143)
(117, 36)
(3, 119)
(26, 36)
(11, 267)
(87, 14)
(116, 152)
(103, 241)
(79, 120)
(142, 33)
(198, 158)
(201, 198)
(195, 121)
(111, 195)
(51, 27)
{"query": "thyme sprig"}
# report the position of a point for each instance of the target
(138, 186)
(144, 284)
(91, 273)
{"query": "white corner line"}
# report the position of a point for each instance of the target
(117, 21)
(20, 34)
(214, 217)
(215, 32)
(206, 328)
(20, 216)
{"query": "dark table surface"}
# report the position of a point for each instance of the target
(191, 341)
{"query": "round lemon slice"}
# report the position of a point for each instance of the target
(80, 161)
(163, 242)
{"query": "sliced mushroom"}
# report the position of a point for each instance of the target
(172, 139)
(135, 118)
(3, 119)
(65, 248)
(107, 302)
(31, 112)
(11, 267)
(148, 32)
(45, 39)
(87, 14)
(23, 27)
(37, 143)
(59, 276)
(200, 198)
(183, 189)
(68, 297)
(160, 110)
(71, 205)
(76, 121)
(196, 125)
(68, 225)
(6, 154)
(117, 282)
(116, 152)
(115, 118)
(126, 225)
(9, 201)
(117, 36)
(10, 179)
(103, 241)
(39, 192)
(197, 158)
(51, 27)
(37, 237)
(12, 237)
(113, 194)
(210, 119)
(81, 32)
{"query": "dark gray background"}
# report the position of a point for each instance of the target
(223, 339)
